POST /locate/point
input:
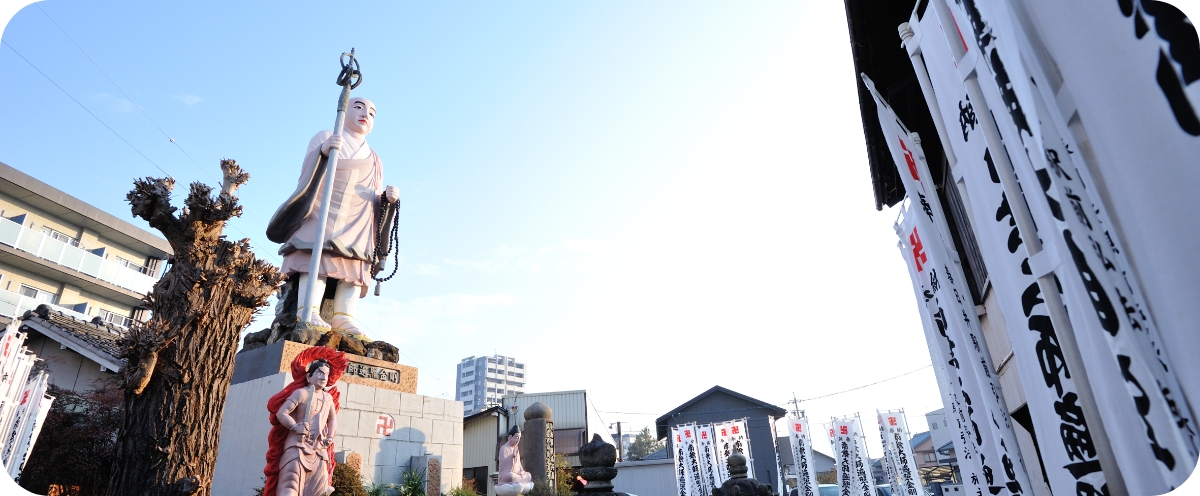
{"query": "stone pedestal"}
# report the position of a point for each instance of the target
(277, 357)
(382, 423)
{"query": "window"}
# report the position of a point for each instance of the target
(131, 265)
(468, 374)
(112, 317)
(39, 295)
(930, 457)
(492, 371)
(491, 390)
(520, 376)
(520, 365)
(60, 236)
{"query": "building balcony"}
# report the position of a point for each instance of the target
(132, 278)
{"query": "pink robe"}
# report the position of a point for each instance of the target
(350, 226)
(510, 466)
(304, 467)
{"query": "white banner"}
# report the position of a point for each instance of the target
(849, 461)
(26, 436)
(806, 468)
(897, 447)
(686, 462)
(862, 461)
(23, 418)
(707, 449)
(42, 412)
(10, 347)
(1049, 391)
(1131, 373)
(732, 437)
(934, 334)
(724, 449)
(987, 447)
(779, 479)
(1138, 105)
(12, 397)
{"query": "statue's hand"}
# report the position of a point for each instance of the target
(300, 427)
(333, 142)
(392, 193)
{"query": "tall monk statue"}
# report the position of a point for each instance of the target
(513, 480)
(348, 254)
(303, 423)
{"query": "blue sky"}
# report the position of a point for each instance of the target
(640, 199)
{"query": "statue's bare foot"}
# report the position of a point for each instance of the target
(346, 324)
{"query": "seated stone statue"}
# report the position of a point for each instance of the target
(514, 480)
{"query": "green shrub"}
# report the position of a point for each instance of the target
(412, 483)
(380, 489)
(347, 481)
(466, 489)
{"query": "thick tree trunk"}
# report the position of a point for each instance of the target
(181, 361)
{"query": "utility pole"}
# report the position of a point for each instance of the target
(620, 442)
(796, 406)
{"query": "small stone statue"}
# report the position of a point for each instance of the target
(514, 480)
(740, 485)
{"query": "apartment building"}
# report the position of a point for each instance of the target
(89, 267)
(483, 381)
(58, 250)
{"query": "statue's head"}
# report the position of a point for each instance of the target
(360, 116)
(318, 373)
(514, 435)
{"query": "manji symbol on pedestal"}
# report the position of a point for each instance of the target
(385, 425)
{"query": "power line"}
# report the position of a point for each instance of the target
(147, 116)
(85, 109)
(865, 385)
(792, 401)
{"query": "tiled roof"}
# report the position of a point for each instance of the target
(98, 338)
(658, 455)
(919, 438)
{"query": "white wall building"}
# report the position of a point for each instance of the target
(482, 381)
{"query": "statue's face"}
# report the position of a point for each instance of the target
(514, 439)
(360, 117)
(319, 377)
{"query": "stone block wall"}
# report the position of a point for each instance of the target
(423, 425)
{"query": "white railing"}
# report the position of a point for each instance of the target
(46, 247)
(13, 305)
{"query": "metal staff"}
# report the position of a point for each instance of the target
(349, 78)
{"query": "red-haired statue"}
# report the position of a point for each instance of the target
(303, 422)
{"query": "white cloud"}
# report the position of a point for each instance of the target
(122, 105)
(429, 270)
(461, 304)
(577, 253)
(188, 99)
